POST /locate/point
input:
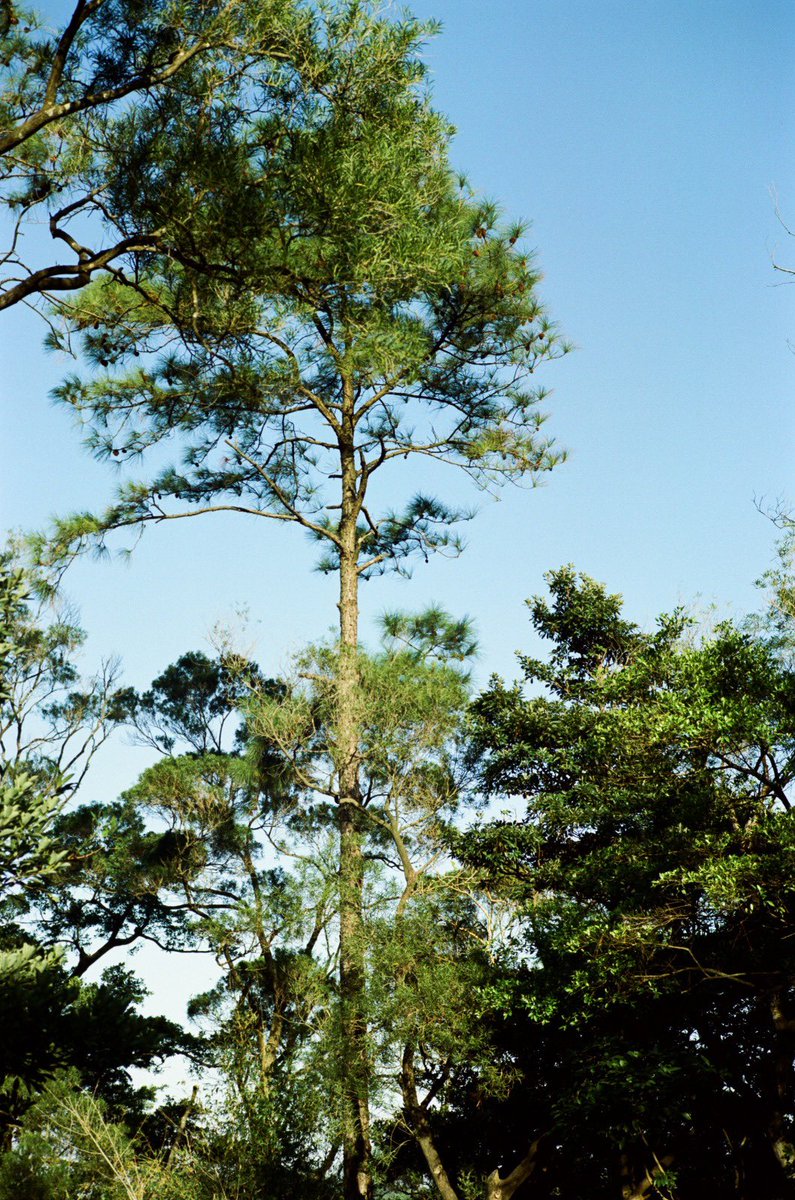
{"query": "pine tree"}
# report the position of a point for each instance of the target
(335, 302)
(59, 90)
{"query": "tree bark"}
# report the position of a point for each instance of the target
(187, 1112)
(783, 1085)
(499, 1188)
(357, 1169)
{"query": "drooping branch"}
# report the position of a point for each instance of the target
(70, 277)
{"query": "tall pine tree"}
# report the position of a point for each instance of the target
(334, 302)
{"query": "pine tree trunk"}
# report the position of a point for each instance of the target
(357, 1172)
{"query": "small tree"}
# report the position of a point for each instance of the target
(429, 935)
(223, 812)
(51, 724)
(273, 1019)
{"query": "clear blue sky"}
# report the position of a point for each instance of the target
(642, 140)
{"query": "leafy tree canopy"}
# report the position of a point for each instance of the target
(655, 863)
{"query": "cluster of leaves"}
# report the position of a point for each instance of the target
(655, 867)
(60, 93)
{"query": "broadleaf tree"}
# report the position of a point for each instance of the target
(52, 722)
(655, 865)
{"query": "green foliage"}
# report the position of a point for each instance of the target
(52, 861)
(192, 701)
(336, 290)
(109, 892)
(54, 1021)
(635, 769)
(272, 1020)
(27, 851)
(61, 92)
(51, 723)
(776, 623)
(218, 813)
(408, 708)
(68, 1147)
(432, 634)
(655, 868)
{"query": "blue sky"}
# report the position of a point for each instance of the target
(642, 141)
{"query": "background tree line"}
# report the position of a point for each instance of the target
(281, 292)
